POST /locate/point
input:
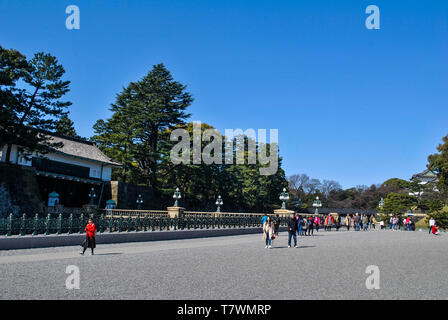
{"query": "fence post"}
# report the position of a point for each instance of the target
(47, 224)
(120, 222)
(111, 222)
(137, 223)
(70, 223)
(10, 224)
(23, 225)
(129, 222)
(36, 225)
(145, 223)
(60, 224)
(102, 223)
(81, 223)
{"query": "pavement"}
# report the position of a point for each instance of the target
(328, 265)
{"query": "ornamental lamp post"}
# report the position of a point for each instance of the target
(283, 197)
(381, 203)
(176, 196)
(139, 202)
(317, 204)
(92, 196)
(219, 203)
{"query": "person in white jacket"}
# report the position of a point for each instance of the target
(431, 224)
(268, 231)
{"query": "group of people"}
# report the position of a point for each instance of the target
(305, 226)
(396, 223)
(360, 222)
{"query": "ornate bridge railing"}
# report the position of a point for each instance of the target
(125, 222)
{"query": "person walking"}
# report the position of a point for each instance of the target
(299, 224)
(431, 224)
(347, 222)
(317, 223)
(89, 241)
(357, 221)
(372, 222)
(263, 219)
(268, 231)
(304, 226)
(365, 222)
(292, 229)
(329, 222)
(276, 224)
(310, 226)
(391, 223)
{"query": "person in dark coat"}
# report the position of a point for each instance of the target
(292, 229)
(89, 241)
(276, 224)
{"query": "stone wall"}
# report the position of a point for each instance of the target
(19, 190)
(125, 195)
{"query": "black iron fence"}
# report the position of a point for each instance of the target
(60, 224)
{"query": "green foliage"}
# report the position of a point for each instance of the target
(438, 163)
(138, 135)
(31, 94)
(241, 186)
(441, 217)
(398, 203)
(65, 127)
(399, 183)
(141, 112)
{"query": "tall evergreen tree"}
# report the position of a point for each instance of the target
(35, 104)
(149, 106)
(438, 163)
(65, 127)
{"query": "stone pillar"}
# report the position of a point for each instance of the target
(283, 212)
(175, 212)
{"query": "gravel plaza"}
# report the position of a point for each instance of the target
(328, 265)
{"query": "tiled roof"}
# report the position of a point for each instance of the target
(80, 148)
(425, 174)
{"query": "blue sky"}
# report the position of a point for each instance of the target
(353, 105)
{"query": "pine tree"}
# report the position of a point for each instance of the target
(143, 110)
(65, 127)
(35, 106)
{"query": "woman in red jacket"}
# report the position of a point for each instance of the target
(89, 242)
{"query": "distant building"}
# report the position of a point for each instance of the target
(71, 170)
(424, 178)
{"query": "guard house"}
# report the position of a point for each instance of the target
(70, 171)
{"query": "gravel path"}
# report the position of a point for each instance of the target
(330, 265)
